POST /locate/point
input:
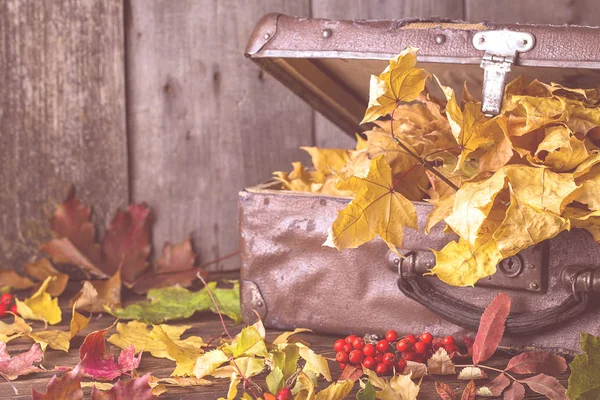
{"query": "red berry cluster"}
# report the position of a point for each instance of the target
(381, 356)
(7, 303)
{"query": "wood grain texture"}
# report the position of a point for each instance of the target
(326, 133)
(203, 121)
(577, 12)
(62, 115)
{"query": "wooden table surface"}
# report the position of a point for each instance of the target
(207, 326)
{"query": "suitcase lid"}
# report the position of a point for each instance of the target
(328, 63)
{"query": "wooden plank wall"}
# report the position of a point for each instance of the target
(62, 115)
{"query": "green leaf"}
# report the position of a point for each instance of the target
(248, 343)
(314, 362)
(178, 303)
(368, 393)
(208, 362)
(292, 354)
(275, 380)
(584, 382)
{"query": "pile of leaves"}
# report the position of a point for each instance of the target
(501, 184)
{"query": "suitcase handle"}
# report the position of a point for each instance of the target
(415, 287)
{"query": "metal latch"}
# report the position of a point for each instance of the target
(501, 51)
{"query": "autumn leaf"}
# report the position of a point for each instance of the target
(337, 390)
(184, 355)
(537, 363)
(178, 303)
(400, 387)
(314, 362)
(43, 269)
(444, 391)
(40, 306)
(584, 381)
(440, 363)
(495, 387)
(469, 392)
(377, 209)
(208, 363)
(415, 369)
(546, 385)
(8, 277)
(179, 257)
(284, 337)
(152, 280)
(399, 82)
(137, 388)
(15, 330)
(62, 251)
(95, 295)
(326, 160)
(369, 393)
(491, 328)
(58, 339)
(99, 363)
(300, 179)
(67, 386)
(515, 392)
(21, 364)
(471, 373)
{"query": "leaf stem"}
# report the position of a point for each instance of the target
(490, 368)
(421, 160)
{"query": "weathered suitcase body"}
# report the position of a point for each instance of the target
(291, 280)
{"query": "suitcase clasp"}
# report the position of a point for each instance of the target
(501, 51)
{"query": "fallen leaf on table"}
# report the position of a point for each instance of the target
(149, 281)
(40, 306)
(415, 369)
(469, 392)
(12, 331)
(95, 295)
(444, 391)
(584, 381)
(99, 363)
(61, 340)
(549, 386)
(137, 388)
(400, 387)
(185, 356)
(8, 277)
(178, 303)
(99, 385)
(495, 387)
(491, 328)
(62, 251)
(42, 269)
(440, 363)
(67, 386)
(21, 364)
(377, 210)
(369, 393)
(284, 337)
(138, 334)
(314, 362)
(470, 373)
(208, 363)
(537, 363)
(336, 390)
(186, 381)
(179, 257)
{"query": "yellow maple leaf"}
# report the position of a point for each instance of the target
(96, 294)
(399, 82)
(560, 149)
(15, 330)
(40, 306)
(377, 209)
(301, 179)
(184, 355)
(400, 387)
(42, 269)
(324, 160)
(58, 339)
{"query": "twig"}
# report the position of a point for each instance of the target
(216, 260)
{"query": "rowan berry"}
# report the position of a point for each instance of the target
(391, 336)
(6, 299)
(448, 340)
(381, 369)
(347, 347)
(389, 359)
(420, 348)
(341, 357)
(350, 338)
(403, 346)
(355, 357)
(400, 365)
(426, 338)
(358, 343)
(451, 348)
(284, 394)
(382, 346)
(368, 362)
(339, 345)
(411, 339)
(343, 366)
(378, 358)
(410, 356)
(369, 350)
(13, 309)
(2, 309)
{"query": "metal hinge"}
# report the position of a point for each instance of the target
(501, 51)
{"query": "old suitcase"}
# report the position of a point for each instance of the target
(291, 280)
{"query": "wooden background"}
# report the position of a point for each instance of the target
(152, 100)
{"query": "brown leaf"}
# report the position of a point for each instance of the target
(126, 243)
(440, 363)
(515, 392)
(444, 391)
(137, 388)
(62, 251)
(67, 386)
(8, 277)
(351, 373)
(537, 363)
(491, 328)
(498, 384)
(548, 386)
(174, 258)
(21, 364)
(469, 392)
(94, 295)
(42, 269)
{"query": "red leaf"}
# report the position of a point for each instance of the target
(72, 221)
(491, 328)
(138, 388)
(126, 243)
(62, 251)
(444, 391)
(21, 364)
(548, 386)
(498, 384)
(179, 257)
(537, 363)
(515, 392)
(351, 373)
(469, 393)
(100, 363)
(67, 386)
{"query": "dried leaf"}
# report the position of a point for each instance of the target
(185, 382)
(15, 330)
(491, 328)
(174, 258)
(300, 179)
(335, 391)
(61, 340)
(314, 362)
(325, 160)
(178, 303)
(351, 373)
(440, 363)
(184, 355)
(444, 391)
(151, 280)
(137, 388)
(495, 387)
(208, 362)
(537, 363)
(21, 364)
(42, 269)
(99, 363)
(546, 385)
(95, 295)
(515, 392)
(40, 306)
(471, 373)
(284, 337)
(584, 381)
(415, 370)
(469, 392)
(67, 386)
(377, 209)
(8, 277)
(62, 251)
